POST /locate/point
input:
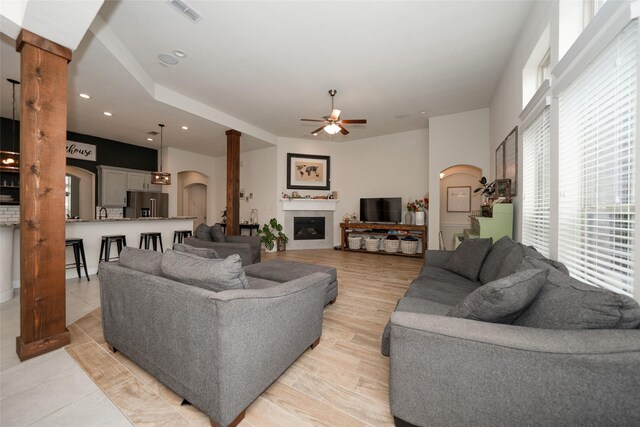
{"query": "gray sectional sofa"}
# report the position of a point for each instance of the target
(212, 237)
(565, 353)
(218, 349)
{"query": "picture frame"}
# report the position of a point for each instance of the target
(503, 188)
(459, 199)
(500, 161)
(308, 172)
(511, 159)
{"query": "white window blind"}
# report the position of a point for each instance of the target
(535, 183)
(596, 167)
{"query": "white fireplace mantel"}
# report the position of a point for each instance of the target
(309, 204)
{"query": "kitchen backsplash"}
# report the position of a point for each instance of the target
(111, 212)
(10, 213)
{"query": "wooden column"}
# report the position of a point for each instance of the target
(43, 132)
(233, 182)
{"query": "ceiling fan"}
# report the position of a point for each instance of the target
(333, 123)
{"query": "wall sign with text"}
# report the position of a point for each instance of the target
(78, 150)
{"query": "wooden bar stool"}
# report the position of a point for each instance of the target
(151, 237)
(78, 254)
(105, 248)
(181, 234)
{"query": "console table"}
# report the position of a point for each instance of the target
(417, 231)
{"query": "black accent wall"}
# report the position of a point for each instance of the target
(109, 152)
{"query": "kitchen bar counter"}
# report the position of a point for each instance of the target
(91, 231)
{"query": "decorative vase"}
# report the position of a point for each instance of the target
(282, 245)
(420, 218)
(408, 218)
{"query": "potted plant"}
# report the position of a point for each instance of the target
(487, 188)
(271, 234)
(419, 206)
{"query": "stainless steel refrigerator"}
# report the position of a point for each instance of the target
(144, 203)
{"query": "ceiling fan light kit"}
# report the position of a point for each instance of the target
(333, 122)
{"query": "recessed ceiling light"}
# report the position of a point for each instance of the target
(106, 113)
(423, 112)
(149, 139)
(85, 96)
(179, 53)
(167, 59)
(185, 127)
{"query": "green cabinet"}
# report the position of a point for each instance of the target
(496, 227)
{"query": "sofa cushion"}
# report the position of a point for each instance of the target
(213, 274)
(503, 259)
(257, 283)
(142, 260)
(441, 286)
(203, 232)
(468, 258)
(217, 234)
(566, 303)
(502, 300)
(201, 252)
(411, 305)
(531, 253)
(284, 271)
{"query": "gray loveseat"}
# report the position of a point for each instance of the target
(448, 371)
(212, 237)
(218, 350)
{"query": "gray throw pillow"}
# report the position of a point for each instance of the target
(531, 253)
(142, 260)
(201, 252)
(203, 232)
(503, 300)
(503, 259)
(566, 303)
(218, 234)
(213, 274)
(468, 258)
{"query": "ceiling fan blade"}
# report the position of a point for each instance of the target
(315, 132)
(312, 120)
(354, 121)
(335, 114)
(343, 130)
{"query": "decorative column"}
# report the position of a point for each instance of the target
(43, 132)
(233, 182)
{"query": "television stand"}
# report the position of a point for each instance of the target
(372, 228)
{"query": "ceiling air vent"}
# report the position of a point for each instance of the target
(153, 133)
(192, 14)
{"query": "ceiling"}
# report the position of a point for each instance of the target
(268, 63)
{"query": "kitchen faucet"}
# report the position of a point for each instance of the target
(106, 215)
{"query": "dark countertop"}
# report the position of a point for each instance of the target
(72, 221)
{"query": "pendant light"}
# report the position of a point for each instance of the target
(159, 177)
(11, 159)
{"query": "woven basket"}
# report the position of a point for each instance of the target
(372, 245)
(408, 247)
(355, 242)
(391, 245)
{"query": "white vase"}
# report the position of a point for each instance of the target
(419, 218)
(408, 218)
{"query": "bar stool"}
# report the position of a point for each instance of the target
(180, 235)
(78, 251)
(151, 237)
(119, 239)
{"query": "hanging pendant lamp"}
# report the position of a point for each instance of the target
(159, 177)
(11, 159)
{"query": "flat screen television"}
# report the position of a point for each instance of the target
(381, 209)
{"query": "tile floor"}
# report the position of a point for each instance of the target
(51, 390)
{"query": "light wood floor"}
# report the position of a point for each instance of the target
(342, 382)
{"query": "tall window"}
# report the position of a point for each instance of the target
(597, 168)
(535, 183)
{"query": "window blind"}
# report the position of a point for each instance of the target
(596, 167)
(535, 183)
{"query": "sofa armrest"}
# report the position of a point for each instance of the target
(264, 331)
(436, 258)
(225, 249)
(254, 241)
(450, 371)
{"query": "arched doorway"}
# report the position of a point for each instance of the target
(458, 180)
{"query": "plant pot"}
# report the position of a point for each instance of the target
(408, 218)
(273, 249)
(282, 245)
(420, 218)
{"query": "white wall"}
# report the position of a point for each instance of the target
(394, 165)
(455, 139)
(507, 101)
